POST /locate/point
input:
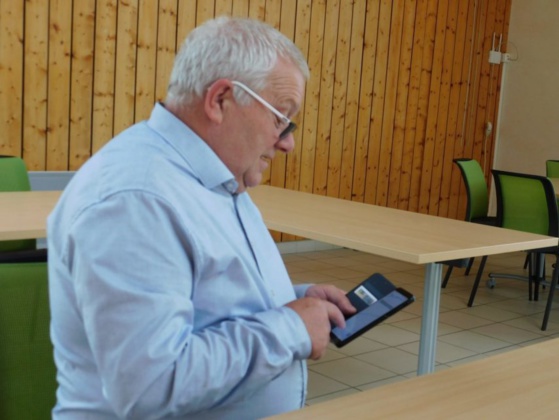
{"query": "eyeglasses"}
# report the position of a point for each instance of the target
(291, 126)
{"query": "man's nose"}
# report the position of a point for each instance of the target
(287, 144)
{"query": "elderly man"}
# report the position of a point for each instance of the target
(169, 297)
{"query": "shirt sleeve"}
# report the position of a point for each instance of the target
(133, 280)
(301, 290)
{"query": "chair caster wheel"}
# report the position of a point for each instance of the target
(491, 283)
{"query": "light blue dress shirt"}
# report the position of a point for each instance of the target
(166, 288)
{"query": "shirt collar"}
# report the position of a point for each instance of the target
(203, 161)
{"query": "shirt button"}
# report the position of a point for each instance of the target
(230, 185)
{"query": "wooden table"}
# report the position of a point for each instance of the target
(517, 384)
(23, 214)
(405, 236)
(401, 235)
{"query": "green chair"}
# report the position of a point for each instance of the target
(27, 369)
(476, 212)
(527, 203)
(14, 177)
(552, 168)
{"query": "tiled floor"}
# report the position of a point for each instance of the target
(502, 319)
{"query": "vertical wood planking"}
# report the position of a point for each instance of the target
(423, 106)
(166, 46)
(457, 206)
(325, 98)
(339, 101)
(35, 84)
(377, 110)
(312, 97)
(204, 10)
(125, 73)
(104, 73)
(429, 160)
(58, 96)
(145, 60)
(186, 19)
(301, 38)
(366, 100)
(412, 109)
(223, 7)
(451, 184)
(388, 142)
(81, 93)
(441, 128)
(398, 88)
(352, 107)
(404, 82)
(285, 14)
(11, 76)
(257, 9)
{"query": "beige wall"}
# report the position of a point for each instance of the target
(528, 130)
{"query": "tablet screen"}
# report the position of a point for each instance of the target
(369, 317)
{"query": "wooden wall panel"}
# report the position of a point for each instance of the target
(81, 79)
(35, 83)
(398, 89)
(11, 78)
(59, 82)
(125, 71)
(104, 73)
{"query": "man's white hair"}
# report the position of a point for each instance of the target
(239, 49)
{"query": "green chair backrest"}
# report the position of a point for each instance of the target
(13, 174)
(14, 177)
(552, 168)
(27, 369)
(476, 188)
(526, 203)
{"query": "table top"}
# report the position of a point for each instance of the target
(401, 235)
(521, 383)
(23, 215)
(397, 234)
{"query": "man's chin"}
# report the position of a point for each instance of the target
(251, 182)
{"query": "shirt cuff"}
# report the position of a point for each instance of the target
(290, 329)
(301, 289)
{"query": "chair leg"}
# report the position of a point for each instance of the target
(447, 276)
(527, 261)
(531, 265)
(476, 282)
(555, 277)
(539, 275)
(470, 263)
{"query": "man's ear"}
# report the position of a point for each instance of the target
(217, 99)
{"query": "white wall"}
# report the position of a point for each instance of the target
(528, 127)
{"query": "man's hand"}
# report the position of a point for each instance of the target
(332, 294)
(317, 315)
(322, 306)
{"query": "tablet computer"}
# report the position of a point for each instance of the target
(375, 299)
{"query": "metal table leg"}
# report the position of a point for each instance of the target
(430, 319)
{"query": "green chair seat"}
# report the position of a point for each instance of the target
(27, 370)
